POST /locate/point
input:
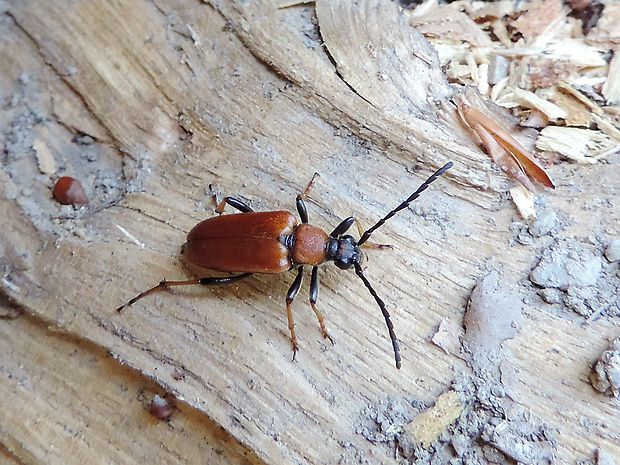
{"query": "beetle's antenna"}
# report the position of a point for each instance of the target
(406, 203)
(386, 314)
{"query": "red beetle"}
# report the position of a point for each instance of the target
(273, 242)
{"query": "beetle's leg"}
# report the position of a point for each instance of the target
(212, 281)
(301, 200)
(290, 296)
(238, 204)
(216, 281)
(370, 245)
(301, 209)
(342, 227)
(314, 295)
(309, 186)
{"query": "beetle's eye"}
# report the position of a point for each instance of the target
(344, 263)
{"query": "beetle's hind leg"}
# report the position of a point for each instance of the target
(290, 296)
(314, 295)
(235, 203)
(210, 281)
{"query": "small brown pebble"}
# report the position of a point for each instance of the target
(69, 191)
(162, 408)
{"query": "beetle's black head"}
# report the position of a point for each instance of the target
(344, 251)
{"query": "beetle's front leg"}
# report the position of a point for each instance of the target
(235, 203)
(342, 227)
(371, 245)
(290, 296)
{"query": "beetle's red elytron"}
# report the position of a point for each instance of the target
(272, 242)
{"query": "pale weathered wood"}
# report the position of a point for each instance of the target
(67, 401)
(186, 99)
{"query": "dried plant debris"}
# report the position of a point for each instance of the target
(507, 152)
(554, 64)
(605, 376)
(579, 276)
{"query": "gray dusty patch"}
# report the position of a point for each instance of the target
(477, 421)
(505, 430)
(581, 275)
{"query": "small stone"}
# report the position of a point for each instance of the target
(461, 444)
(525, 238)
(551, 295)
(612, 252)
(544, 224)
(568, 263)
(605, 376)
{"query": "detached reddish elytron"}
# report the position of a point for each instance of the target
(273, 242)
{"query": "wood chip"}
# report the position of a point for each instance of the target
(606, 33)
(580, 145)
(577, 114)
(611, 88)
(571, 50)
(427, 426)
(447, 23)
(570, 90)
(527, 99)
(524, 201)
(538, 16)
(47, 162)
(607, 127)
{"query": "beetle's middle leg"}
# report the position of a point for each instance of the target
(314, 295)
(235, 203)
(290, 296)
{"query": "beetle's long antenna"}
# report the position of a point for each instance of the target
(386, 314)
(406, 203)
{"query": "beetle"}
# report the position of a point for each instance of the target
(273, 242)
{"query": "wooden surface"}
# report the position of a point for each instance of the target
(184, 100)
